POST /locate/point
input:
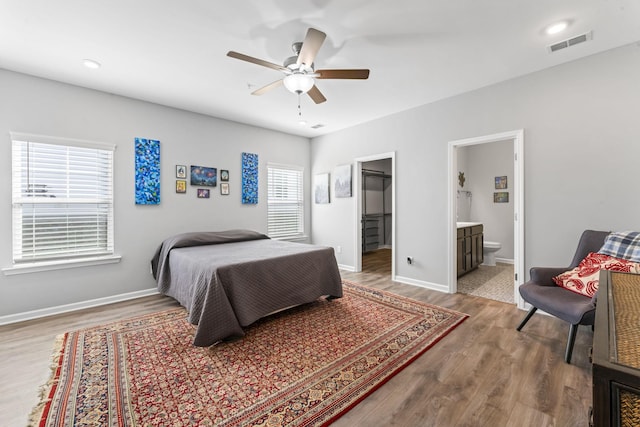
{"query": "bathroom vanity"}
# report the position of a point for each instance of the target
(469, 246)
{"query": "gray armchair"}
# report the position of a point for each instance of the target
(542, 293)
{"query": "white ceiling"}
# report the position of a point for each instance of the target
(174, 52)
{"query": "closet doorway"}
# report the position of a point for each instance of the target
(375, 219)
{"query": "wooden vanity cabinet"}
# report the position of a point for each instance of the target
(469, 244)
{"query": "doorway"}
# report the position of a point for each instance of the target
(516, 138)
(374, 186)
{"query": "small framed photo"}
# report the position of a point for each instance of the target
(181, 186)
(224, 188)
(501, 197)
(181, 171)
(224, 175)
(203, 193)
(501, 182)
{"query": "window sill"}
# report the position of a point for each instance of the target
(36, 267)
(296, 238)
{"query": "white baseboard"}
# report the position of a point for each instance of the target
(504, 260)
(346, 267)
(428, 285)
(66, 308)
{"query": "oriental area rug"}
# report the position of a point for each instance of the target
(302, 367)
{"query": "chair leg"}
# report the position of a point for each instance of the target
(572, 339)
(526, 318)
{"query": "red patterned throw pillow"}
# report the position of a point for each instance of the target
(584, 278)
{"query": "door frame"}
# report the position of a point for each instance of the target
(357, 185)
(517, 137)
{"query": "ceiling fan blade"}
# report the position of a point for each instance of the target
(253, 60)
(315, 94)
(267, 88)
(310, 46)
(342, 74)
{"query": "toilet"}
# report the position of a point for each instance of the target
(489, 252)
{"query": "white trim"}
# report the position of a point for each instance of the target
(40, 266)
(517, 137)
(45, 139)
(357, 185)
(422, 284)
(357, 192)
(285, 166)
(50, 311)
(350, 268)
(301, 238)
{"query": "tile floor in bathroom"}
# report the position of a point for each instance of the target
(495, 283)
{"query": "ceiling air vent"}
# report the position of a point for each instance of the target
(318, 126)
(570, 42)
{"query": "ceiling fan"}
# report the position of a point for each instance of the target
(299, 70)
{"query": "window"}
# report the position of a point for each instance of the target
(62, 193)
(285, 202)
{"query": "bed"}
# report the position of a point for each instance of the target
(228, 280)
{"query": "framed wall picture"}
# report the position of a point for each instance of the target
(147, 171)
(501, 197)
(181, 186)
(224, 175)
(203, 193)
(321, 188)
(224, 188)
(202, 175)
(342, 176)
(181, 171)
(249, 179)
(501, 182)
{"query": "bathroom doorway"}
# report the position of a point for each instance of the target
(489, 192)
(482, 168)
(375, 214)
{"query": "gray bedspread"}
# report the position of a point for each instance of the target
(229, 280)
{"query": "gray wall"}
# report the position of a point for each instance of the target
(482, 163)
(581, 151)
(41, 106)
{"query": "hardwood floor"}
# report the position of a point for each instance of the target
(377, 262)
(484, 373)
(26, 350)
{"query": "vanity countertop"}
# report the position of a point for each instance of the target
(467, 224)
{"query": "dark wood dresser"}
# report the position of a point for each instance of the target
(616, 351)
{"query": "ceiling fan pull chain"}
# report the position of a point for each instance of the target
(301, 121)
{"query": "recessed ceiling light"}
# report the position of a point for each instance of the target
(557, 27)
(90, 63)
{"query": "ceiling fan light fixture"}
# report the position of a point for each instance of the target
(298, 83)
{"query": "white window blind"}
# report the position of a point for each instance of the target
(285, 202)
(62, 193)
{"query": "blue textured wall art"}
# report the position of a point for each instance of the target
(249, 178)
(147, 171)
